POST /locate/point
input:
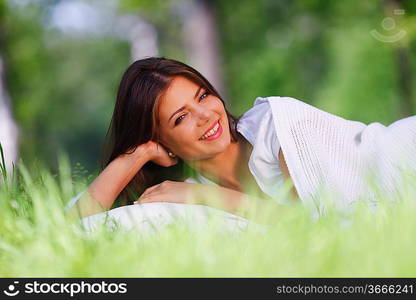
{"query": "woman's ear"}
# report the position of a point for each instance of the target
(170, 152)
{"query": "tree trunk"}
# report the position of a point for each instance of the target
(8, 128)
(201, 42)
(393, 9)
(141, 35)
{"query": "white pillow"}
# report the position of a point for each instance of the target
(151, 217)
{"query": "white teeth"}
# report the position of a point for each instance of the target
(211, 132)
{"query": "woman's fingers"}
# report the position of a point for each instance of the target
(148, 199)
(153, 193)
(149, 190)
(152, 188)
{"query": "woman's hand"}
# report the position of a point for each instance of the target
(168, 191)
(235, 202)
(159, 155)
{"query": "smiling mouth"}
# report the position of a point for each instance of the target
(212, 127)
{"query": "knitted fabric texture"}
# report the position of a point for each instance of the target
(329, 157)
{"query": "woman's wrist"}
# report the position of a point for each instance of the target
(217, 196)
(140, 155)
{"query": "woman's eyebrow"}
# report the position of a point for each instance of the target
(183, 107)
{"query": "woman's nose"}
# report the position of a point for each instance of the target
(203, 117)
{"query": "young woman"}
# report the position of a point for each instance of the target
(169, 121)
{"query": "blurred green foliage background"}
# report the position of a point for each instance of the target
(63, 60)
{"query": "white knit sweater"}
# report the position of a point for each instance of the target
(332, 156)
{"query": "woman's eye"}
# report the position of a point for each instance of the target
(178, 120)
(204, 95)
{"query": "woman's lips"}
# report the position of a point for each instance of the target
(215, 135)
(213, 125)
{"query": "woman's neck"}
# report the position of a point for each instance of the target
(230, 168)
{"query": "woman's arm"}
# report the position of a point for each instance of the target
(238, 203)
(103, 191)
(245, 205)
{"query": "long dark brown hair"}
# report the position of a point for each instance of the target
(135, 120)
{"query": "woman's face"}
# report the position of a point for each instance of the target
(187, 111)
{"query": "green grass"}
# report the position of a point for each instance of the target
(39, 240)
